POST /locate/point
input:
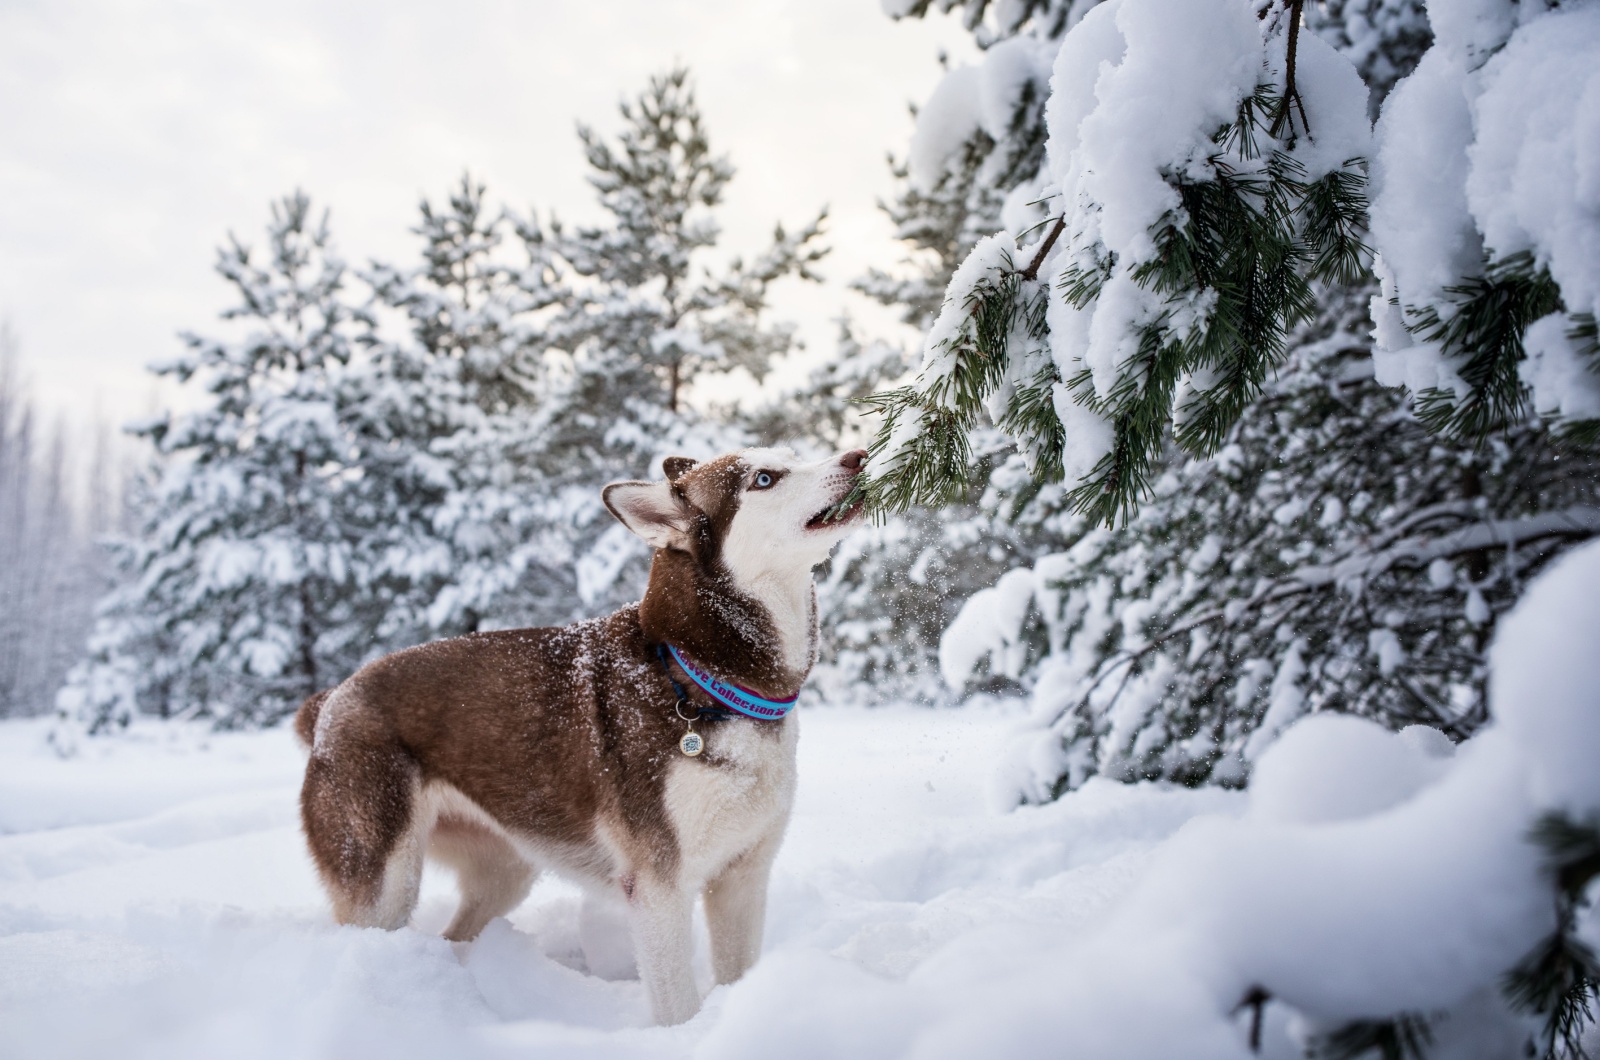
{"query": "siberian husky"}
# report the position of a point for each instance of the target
(648, 753)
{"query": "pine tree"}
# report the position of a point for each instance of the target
(466, 534)
(241, 592)
(977, 163)
(1100, 625)
(642, 322)
(641, 317)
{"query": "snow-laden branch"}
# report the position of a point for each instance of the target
(1191, 217)
(1576, 522)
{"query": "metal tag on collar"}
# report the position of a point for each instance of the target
(692, 743)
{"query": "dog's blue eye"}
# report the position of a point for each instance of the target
(764, 480)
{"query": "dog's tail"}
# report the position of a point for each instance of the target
(305, 719)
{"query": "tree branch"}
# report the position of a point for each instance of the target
(1291, 94)
(1577, 521)
(1032, 271)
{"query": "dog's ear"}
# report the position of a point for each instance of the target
(675, 466)
(651, 510)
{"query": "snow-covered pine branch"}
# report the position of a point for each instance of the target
(1334, 556)
(1486, 219)
(1199, 182)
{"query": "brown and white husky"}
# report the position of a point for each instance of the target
(504, 754)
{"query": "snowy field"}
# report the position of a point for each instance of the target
(156, 901)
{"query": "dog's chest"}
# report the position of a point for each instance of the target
(721, 810)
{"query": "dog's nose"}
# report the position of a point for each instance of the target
(855, 459)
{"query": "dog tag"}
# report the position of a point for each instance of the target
(691, 744)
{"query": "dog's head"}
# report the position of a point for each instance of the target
(756, 513)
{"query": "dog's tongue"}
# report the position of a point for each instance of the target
(833, 512)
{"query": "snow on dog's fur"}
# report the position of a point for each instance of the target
(503, 754)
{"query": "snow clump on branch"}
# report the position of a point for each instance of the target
(1486, 218)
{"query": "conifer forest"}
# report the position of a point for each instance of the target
(1214, 669)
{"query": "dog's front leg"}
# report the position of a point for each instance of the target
(736, 909)
(661, 914)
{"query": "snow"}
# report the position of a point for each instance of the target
(164, 906)
(156, 900)
(1472, 29)
(1336, 107)
(1563, 382)
(1491, 148)
(1335, 767)
(1535, 178)
(1009, 67)
(1420, 223)
(967, 99)
(989, 625)
(1550, 710)
(951, 115)
(1173, 69)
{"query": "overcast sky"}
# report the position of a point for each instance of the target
(137, 134)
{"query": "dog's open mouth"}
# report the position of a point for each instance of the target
(840, 511)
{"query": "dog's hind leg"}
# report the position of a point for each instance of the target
(736, 909)
(492, 876)
(364, 822)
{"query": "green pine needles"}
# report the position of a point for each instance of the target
(1484, 337)
(936, 420)
(1584, 335)
(1559, 981)
(1482, 331)
(1233, 274)
(1403, 1037)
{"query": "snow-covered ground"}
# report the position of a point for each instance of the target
(156, 900)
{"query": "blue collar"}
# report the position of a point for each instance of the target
(726, 693)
